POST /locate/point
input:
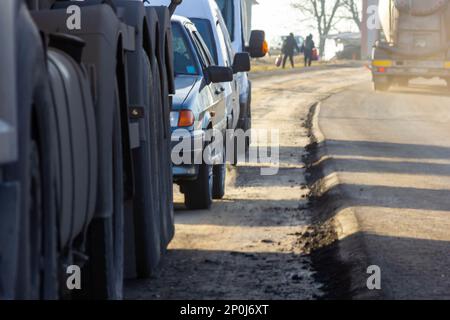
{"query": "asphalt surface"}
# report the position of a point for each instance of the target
(388, 157)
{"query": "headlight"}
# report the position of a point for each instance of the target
(174, 116)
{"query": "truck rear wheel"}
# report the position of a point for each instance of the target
(382, 86)
(105, 266)
(37, 257)
(403, 82)
(147, 222)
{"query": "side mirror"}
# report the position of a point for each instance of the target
(258, 47)
(217, 74)
(241, 62)
(173, 6)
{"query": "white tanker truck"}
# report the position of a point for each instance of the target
(417, 35)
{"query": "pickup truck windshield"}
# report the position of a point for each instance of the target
(184, 61)
(227, 8)
(204, 28)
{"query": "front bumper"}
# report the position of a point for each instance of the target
(187, 146)
(427, 69)
(414, 72)
(184, 172)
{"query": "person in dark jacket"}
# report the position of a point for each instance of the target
(308, 48)
(288, 50)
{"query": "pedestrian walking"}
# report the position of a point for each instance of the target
(288, 50)
(308, 48)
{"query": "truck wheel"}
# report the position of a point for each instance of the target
(403, 82)
(161, 165)
(105, 236)
(34, 220)
(198, 193)
(146, 224)
(219, 179)
(382, 86)
(37, 271)
(36, 265)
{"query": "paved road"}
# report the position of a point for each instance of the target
(391, 155)
(254, 243)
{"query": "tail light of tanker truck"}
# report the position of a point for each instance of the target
(381, 65)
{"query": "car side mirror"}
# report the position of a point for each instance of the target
(258, 47)
(217, 74)
(241, 62)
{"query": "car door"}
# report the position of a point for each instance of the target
(232, 89)
(218, 107)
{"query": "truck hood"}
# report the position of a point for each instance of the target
(183, 87)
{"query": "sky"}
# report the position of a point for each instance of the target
(278, 18)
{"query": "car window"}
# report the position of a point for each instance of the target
(184, 61)
(227, 9)
(202, 50)
(222, 44)
(204, 28)
(229, 48)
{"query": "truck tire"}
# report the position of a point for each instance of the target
(37, 246)
(382, 86)
(160, 147)
(105, 267)
(37, 258)
(198, 193)
(34, 251)
(403, 82)
(147, 223)
(165, 60)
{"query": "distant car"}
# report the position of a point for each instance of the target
(198, 105)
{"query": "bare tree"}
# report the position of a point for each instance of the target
(354, 9)
(323, 12)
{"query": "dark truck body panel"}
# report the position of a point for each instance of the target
(75, 100)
